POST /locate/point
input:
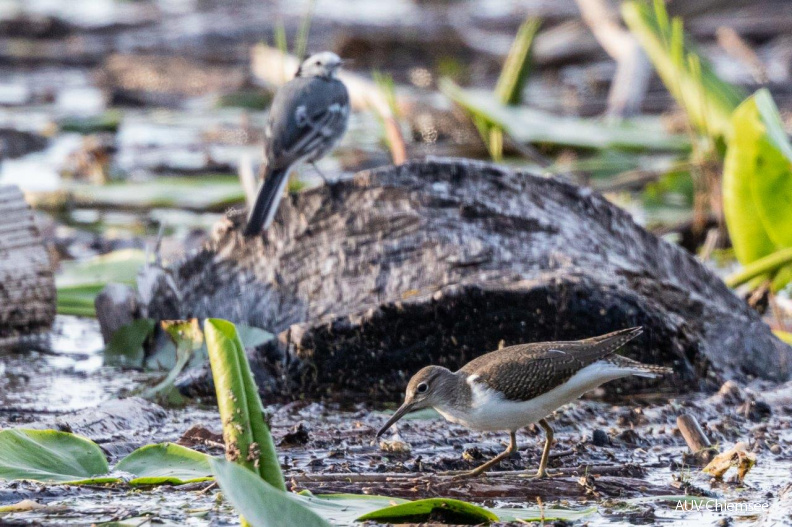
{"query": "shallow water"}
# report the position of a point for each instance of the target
(69, 375)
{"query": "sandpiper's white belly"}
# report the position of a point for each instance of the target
(491, 411)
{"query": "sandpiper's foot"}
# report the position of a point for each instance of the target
(542, 474)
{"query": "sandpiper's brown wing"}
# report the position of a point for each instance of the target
(525, 371)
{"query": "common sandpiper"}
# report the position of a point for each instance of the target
(513, 387)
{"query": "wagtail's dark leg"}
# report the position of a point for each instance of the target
(313, 164)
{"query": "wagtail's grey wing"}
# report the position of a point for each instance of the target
(308, 117)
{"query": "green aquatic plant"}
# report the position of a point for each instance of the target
(707, 99)
(247, 437)
(757, 191)
(165, 463)
(78, 283)
(51, 456)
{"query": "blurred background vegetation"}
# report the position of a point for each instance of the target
(125, 120)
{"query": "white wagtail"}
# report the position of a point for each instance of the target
(307, 119)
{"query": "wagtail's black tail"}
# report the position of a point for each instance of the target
(267, 201)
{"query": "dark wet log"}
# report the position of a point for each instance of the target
(369, 279)
(27, 286)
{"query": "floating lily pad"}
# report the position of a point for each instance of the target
(432, 509)
(51, 456)
(166, 463)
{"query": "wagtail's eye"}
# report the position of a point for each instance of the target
(318, 63)
(422, 388)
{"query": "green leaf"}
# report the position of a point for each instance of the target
(528, 125)
(261, 504)
(346, 508)
(187, 339)
(708, 100)
(165, 463)
(768, 265)
(757, 183)
(786, 336)
(126, 345)
(241, 411)
(78, 283)
(105, 122)
(772, 185)
(51, 456)
(197, 193)
(518, 63)
(451, 511)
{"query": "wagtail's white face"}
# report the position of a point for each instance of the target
(324, 64)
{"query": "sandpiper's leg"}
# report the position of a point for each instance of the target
(313, 164)
(546, 452)
(511, 449)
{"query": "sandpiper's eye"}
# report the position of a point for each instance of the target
(318, 63)
(422, 388)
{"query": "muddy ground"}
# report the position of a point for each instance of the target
(606, 455)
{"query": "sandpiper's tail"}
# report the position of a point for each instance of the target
(605, 344)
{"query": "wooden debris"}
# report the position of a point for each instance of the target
(620, 481)
(27, 286)
(696, 439)
(738, 457)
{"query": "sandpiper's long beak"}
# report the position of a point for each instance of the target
(403, 409)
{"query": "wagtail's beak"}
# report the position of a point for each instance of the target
(403, 409)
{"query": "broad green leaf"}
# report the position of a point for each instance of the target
(451, 511)
(126, 345)
(708, 100)
(51, 456)
(261, 504)
(528, 125)
(165, 463)
(757, 183)
(772, 184)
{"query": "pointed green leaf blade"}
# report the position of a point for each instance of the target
(261, 504)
